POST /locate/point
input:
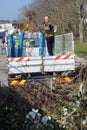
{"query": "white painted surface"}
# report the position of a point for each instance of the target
(37, 64)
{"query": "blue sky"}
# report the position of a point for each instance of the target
(9, 8)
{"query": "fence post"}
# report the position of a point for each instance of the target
(41, 44)
(20, 48)
(12, 48)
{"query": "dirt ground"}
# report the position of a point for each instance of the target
(3, 67)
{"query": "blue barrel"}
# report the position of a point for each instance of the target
(12, 48)
(3, 51)
(41, 44)
(20, 48)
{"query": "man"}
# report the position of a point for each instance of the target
(49, 35)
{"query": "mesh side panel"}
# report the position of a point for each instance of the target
(64, 43)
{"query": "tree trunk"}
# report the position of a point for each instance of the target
(81, 30)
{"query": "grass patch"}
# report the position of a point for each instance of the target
(81, 49)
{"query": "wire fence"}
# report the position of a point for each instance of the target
(64, 44)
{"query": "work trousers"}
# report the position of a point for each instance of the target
(50, 45)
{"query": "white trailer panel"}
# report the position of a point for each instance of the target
(39, 64)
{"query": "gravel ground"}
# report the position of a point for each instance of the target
(3, 67)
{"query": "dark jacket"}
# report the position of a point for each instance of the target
(49, 30)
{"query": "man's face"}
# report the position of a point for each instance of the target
(46, 19)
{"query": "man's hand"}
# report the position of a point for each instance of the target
(46, 28)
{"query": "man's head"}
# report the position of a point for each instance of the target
(46, 19)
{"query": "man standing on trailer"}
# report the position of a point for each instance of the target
(49, 35)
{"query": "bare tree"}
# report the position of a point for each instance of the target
(66, 14)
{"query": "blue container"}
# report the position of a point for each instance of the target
(20, 48)
(41, 44)
(12, 48)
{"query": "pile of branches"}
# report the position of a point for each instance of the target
(60, 108)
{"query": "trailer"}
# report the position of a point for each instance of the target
(28, 59)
